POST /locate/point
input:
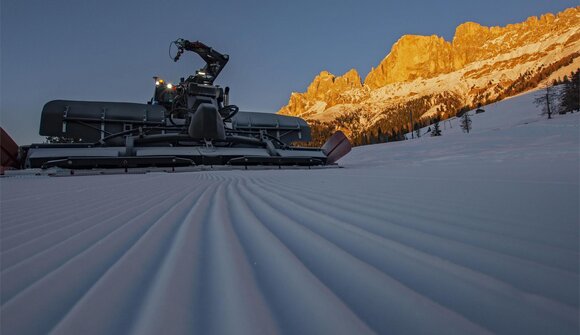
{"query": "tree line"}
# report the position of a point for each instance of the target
(561, 96)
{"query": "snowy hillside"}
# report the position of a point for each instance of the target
(459, 234)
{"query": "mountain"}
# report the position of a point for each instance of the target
(430, 77)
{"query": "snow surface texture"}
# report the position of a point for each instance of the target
(459, 234)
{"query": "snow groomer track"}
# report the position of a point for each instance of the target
(408, 238)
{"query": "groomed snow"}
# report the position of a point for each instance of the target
(459, 234)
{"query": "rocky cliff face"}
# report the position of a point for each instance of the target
(413, 57)
(325, 91)
(428, 56)
(481, 65)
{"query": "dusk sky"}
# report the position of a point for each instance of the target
(109, 50)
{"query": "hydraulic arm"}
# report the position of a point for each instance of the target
(215, 61)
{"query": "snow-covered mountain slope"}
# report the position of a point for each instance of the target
(459, 234)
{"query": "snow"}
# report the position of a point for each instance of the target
(464, 233)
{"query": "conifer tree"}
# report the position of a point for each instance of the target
(465, 122)
(570, 94)
(436, 130)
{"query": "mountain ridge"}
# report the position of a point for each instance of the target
(438, 77)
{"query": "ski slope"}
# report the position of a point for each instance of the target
(459, 234)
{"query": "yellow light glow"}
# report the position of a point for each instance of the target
(169, 86)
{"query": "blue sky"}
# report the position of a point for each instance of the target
(109, 50)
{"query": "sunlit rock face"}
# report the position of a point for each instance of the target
(413, 57)
(326, 90)
(480, 65)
